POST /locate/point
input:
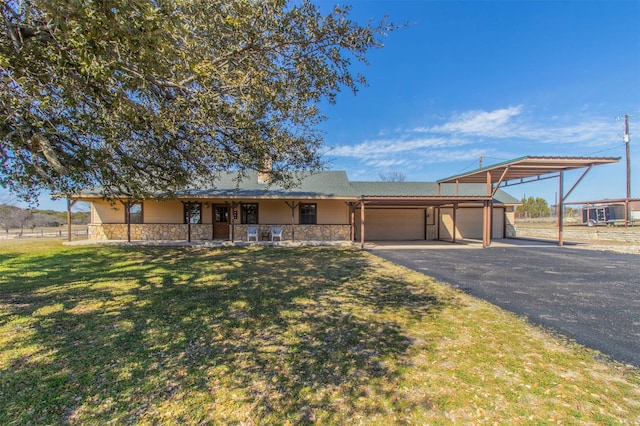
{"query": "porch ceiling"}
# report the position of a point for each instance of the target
(527, 167)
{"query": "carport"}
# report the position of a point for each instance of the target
(369, 204)
(525, 170)
(428, 211)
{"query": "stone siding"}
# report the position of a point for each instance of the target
(582, 234)
(302, 232)
(147, 231)
(177, 232)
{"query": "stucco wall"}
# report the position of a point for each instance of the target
(165, 212)
(104, 212)
(330, 212)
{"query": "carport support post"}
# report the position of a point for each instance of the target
(487, 213)
(560, 206)
(455, 211)
(485, 224)
(352, 220)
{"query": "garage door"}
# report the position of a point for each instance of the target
(393, 224)
(498, 224)
(469, 223)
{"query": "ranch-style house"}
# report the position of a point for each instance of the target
(325, 206)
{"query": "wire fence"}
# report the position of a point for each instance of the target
(77, 233)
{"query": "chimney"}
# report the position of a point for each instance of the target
(264, 175)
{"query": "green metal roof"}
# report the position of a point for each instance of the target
(325, 184)
(427, 189)
(331, 184)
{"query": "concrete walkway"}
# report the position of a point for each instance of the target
(210, 243)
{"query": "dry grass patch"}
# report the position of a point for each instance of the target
(274, 336)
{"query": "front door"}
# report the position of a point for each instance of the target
(221, 222)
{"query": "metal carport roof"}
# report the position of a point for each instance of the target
(529, 169)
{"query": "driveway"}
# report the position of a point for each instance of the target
(590, 296)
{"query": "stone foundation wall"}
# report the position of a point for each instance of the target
(583, 234)
(164, 231)
(302, 232)
(147, 231)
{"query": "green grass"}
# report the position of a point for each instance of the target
(153, 335)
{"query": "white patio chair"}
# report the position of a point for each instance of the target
(252, 232)
(276, 232)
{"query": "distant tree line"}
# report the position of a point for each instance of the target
(534, 207)
(12, 217)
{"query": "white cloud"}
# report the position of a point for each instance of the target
(446, 156)
(384, 147)
(468, 135)
(590, 133)
(479, 123)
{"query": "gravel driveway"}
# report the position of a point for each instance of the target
(590, 296)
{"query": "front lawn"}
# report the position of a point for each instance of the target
(156, 335)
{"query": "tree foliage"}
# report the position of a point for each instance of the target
(145, 96)
(534, 207)
(14, 217)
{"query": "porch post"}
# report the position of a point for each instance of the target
(127, 218)
(213, 222)
(293, 222)
(187, 217)
(362, 224)
(293, 205)
(231, 209)
(189, 222)
(69, 205)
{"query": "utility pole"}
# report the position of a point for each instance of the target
(627, 139)
(480, 164)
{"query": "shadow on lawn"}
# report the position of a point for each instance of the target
(273, 333)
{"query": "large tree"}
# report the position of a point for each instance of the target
(149, 96)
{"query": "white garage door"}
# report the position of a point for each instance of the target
(498, 224)
(393, 224)
(469, 223)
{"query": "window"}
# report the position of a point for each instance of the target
(222, 214)
(192, 212)
(135, 213)
(308, 214)
(249, 213)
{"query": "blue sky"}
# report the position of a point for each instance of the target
(498, 79)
